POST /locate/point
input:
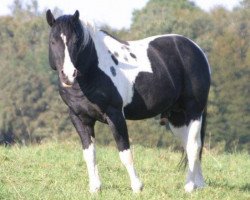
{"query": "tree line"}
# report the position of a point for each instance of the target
(32, 111)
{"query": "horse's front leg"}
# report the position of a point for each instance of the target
(118, 127)
(85, 129)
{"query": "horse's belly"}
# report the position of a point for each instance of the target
(136, 113)
(153, 95)
(142, 107)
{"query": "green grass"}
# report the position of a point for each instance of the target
(57, 171)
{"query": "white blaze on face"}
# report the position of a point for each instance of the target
(68, 67)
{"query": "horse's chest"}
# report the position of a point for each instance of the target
(81, 106)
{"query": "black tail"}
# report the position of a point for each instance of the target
(203, 129)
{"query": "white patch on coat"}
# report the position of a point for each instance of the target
(126, 71)
(127, 161)
(68, 67)
(191, 141)
(90, 159)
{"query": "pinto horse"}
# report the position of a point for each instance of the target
(102, 78)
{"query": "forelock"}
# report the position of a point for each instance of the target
(64, 24)
(83, 29)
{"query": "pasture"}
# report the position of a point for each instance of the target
(56, 170)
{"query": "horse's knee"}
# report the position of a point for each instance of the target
(126, 157)
(194, 136)
(193, 148)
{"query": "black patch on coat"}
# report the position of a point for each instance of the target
(113, 71)
(133, 55)
(125, 47)
(116, 54)
(114, 59)
(126, 58)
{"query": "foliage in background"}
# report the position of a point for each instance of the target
(31, 109)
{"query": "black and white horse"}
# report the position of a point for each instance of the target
(105, 79)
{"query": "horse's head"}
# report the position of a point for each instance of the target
(65, 40)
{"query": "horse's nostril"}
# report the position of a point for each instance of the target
(75, 73)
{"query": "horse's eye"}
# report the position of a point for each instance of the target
(52, 42)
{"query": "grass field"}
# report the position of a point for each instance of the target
(57, 171)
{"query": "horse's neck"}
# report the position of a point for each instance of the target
(87, 57)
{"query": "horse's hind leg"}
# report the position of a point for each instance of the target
(193, 149)
(190, 138)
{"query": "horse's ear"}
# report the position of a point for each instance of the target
(76, 16)
(50, 18)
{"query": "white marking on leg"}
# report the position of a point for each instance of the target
(191, 141)
(90, 159)
(68, 67)
(127, 161)
(199, 180)
(193, 147)
(180, 133)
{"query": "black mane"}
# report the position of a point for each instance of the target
(119, 40)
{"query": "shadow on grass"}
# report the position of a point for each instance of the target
(117, 187)
(243, 188)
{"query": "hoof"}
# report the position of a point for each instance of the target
(190, 187)
(94, 188)
(137, 187)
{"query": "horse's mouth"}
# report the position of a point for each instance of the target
(65, 82)
(67, 85)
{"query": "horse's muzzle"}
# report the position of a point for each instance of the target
(68, 81)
